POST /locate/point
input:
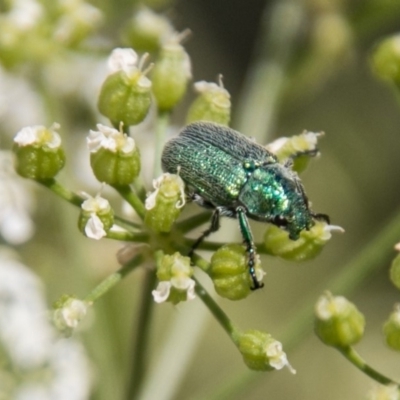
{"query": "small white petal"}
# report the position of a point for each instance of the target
(328, 307)
(190, 294)
(277, 357)
(277, 144)
(122, 59)
(94, 228)
(73, 312)
(161, 294)
(150, 202)
(16, 227)
(95, 204)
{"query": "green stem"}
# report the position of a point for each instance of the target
(358, 362)
(114, 278)
(161, 129)
(193, 222)
(140, 351)
(126, 236)
(257, 110)
(131, 197)
(77, 200)
(218, 313)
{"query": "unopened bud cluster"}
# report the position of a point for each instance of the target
(391, 329)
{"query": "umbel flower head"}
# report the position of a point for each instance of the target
(174, 273)
(38, 151)
(114, 156)
(125, 96)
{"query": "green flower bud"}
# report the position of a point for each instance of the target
(308, 246)
(213, 104)
(338, 322)
(391, 329)
(386, 59)
(96, 217)
(395, 271)
(38, 151)
(230, 273)
(291, 147)
(126, 94)
(261, 352)
(146, 30)
(171, 74)
(165, 203)
(114, 157)
(174, 273)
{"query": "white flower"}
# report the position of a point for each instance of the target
(180, 273)
(277, 357)
(329, 306)
(380, 392)
(68, 316)
(122, 59)
(110, 139)
(93, 206)
(16, 203)
(39, 135)
(172, 185)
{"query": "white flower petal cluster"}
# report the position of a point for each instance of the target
(328, 307)
(277, 357)
(110, 139)
(181, 273)
(16, 203)
(25, 14)
(59, 366)
(94, 228)
(39, 135)
(68, 316)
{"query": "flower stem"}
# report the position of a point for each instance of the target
(77, 200)
(140, 350)
(109, 282)
(127, 194)
(161, 129)
(218, 313)
(358, 362)
(126, 236)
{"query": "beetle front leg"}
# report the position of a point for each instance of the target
(250, 247)
(214, 226)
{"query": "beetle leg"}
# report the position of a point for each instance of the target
(214, 226)
(321, 217)
(250, 247)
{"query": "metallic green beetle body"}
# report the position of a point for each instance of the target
(237, 177)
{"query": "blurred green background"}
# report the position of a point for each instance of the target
(327, 85)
